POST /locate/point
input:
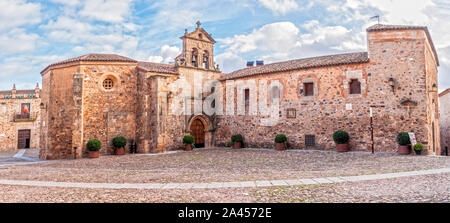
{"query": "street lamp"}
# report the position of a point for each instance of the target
(434, 88)
(391, 83)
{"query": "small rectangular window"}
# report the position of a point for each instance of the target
(247, 100)
(309, 89)
(355, 86)
(310, 140)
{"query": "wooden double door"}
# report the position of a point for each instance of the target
(24, 140)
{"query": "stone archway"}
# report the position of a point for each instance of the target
(201, 128)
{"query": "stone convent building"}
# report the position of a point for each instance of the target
(444, 112)
(105, 95)
(20, 119)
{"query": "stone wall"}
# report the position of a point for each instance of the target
(109, 113)
(393, 54)
(58, 116)
(10, 106)
(444, 110)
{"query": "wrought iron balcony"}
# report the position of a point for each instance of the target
(24, 118)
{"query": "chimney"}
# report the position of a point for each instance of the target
(259, 62)
(250, 63)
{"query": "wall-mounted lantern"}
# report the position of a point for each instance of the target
(391, 83)
(434, 88)
(42, 106)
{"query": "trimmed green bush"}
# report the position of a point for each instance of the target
(419, 147)
(188, 140)
(119, 142)
(403, 139)
(94, 145)
(236, 138)
(280, 138)
(341, 137)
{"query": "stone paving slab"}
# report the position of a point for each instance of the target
(222, 184)
(263, 183)
(322, 180)
(279, 183)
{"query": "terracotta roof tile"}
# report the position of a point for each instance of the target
(444, 92)
(157, 67)
(383, 27)
(94, 57)
(331, 60)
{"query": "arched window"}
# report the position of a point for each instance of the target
(275, 93)
(194, 60)
(205, 60)
(355, 86)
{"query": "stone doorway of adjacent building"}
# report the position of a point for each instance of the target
(198, 131)
(24, 139)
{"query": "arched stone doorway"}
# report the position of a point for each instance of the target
(198, 131)
(201, 128)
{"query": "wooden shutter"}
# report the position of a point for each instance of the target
(355, 87)
(309, 89)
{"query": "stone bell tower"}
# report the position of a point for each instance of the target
(198, 50)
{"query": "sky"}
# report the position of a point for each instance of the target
(36, 33)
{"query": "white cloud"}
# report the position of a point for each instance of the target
(17, 41)
(229, 62)
(280, 6)
(279, 36)
(15, 13)
(166, 55)
(284, 40)
(113, 11)
(71, 3)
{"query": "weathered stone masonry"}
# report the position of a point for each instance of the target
(106, 95)
(12, 120)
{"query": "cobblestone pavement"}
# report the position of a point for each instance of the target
(427, 188)
(215, 165)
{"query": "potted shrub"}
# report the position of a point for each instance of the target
(341, 139)
(119, 144)
(280, 142)
(403, 142)
(418, 148)
(93, 146)
(188, 142)
(236, 141)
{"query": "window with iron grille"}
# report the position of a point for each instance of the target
(310, 140)
(108, 84)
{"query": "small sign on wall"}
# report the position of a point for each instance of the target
(412, 138)
(291, 113)
(348, 107)
(1, 135)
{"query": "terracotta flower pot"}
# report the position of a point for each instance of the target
(342, 148)
(237, 145)
(119, 151)
(403, 150)
(280, 146)
(93, 154)
(188, 147)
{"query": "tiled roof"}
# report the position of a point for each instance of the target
(331, 60)
(19, 92)
(444, 92)
(94, 57)
(157, 67)
(382, 27)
